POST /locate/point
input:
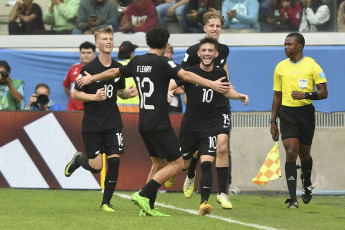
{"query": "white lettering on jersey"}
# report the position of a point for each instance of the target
(172, 64)
(138, 20)
(144, 69)
(186, 56)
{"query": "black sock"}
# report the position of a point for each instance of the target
(206, 180)
(84, 162)
(291, 177)
(222, 174)
(307, 167)
(150, 191)
(192, 167)
(111, 179)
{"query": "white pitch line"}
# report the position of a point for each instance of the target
(194, 212)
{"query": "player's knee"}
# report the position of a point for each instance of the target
(206, 166)
(222, 149)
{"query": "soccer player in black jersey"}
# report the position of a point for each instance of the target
(198, 128)
(102, 125)
(152, 74)
(213, 21)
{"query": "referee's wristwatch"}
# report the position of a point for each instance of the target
(273, 120)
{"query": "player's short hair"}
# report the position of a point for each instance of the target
(170, 47)
(42, 85)
(87, 45)
(5, 65)
(157, 38)
(212, 13)
(207, 40)
(105, 30)
(299, 37)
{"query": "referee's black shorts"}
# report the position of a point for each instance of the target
(162, 144)
(297, 122)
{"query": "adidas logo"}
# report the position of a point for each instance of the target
(291, 178)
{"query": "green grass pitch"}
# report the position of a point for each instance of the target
(79, 209)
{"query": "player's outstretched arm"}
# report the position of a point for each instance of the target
(106, 75)
(233, 94)
(193, 78)
(127, 93)
(84, 97)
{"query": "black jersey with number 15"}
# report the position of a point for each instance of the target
(101, 115)
(152, 75)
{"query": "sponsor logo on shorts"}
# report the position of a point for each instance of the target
(185, 154)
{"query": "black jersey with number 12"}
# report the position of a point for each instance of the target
(152, 74)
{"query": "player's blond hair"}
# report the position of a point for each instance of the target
(105, 30)
(212, 13)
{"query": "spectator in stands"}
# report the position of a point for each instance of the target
(193, 13)
(140, 16)
(87, 54)
(264, 10)
(96, 14)
(174, 8)
(315, 16)
(126, 53)
(285, 15)
(40, 99)
(241, 16)
(62, 16)
(11, 90)
(176, 104)
(30, 15)
(341, 18)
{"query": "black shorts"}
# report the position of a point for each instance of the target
(191, 142)
(223, 120)
(162, 144)
(297, 122)
(108, 142)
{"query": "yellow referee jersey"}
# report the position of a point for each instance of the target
(301, 76)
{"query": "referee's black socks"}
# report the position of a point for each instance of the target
(307, 167)
(291, 177)
(111, 179)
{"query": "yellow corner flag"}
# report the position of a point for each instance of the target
(270, 170)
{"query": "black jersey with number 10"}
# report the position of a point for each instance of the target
(101, 115)
(202, 102)
(152, 75)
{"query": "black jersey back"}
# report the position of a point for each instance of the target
(191, 58)
(101, 115)
(202, 102)
(152, 75)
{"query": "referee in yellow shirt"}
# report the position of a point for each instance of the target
(295, 79)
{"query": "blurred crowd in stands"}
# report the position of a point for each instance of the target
(132, 16)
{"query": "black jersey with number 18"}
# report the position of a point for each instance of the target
(152, 74)
(101, 115)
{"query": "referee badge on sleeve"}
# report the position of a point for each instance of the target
(303, 83)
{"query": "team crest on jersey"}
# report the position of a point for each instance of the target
(322, 75)
(116, 79)
(303, 83)
(222, 61)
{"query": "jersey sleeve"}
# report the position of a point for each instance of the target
(171, 69)
(126, 69)
(190, 58)
(318, 74)
(180, 82)
(277, 81)
(121, 84)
